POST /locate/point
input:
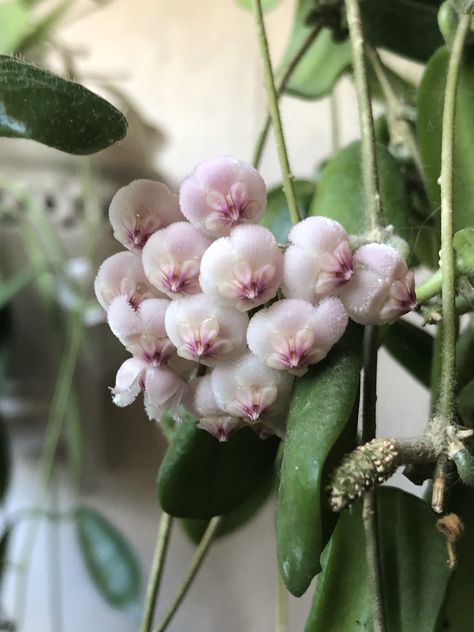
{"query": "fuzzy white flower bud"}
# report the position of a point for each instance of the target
(122, 275)
(250, 389)
(171, 259)
(139, 209)
(318, 261)
(243, 270)
(203, 331)
(382, 287)
(291, 334)
(221, 193)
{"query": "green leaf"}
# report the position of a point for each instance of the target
(414, 569)
(237, 518)
(411, 347)
(201, 478)
(463, 242)
(40, 106)
(406, 27)
(340, 195)
(429, 121)
(457, 614)
(108, 557)
(464, 356)
(267, 5)
(322, 423)
(13, 25)
(277, 217)
(38, 34)
(405, 90)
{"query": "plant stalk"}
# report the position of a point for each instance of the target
(272, 97)
(446, 404)
(196, 562)
(156, 573)
(292, 65)
(282, 606)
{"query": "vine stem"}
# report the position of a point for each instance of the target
(292, 65)
(446, 404)
(376, 222)
(272, 97)
(282, 606)
(162, 542)
(196, 562)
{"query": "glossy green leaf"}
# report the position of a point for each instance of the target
(406, 27)
(40, 106)
(237, 518)
(109, 559)
(463, 242)
(277, 217)
(457, 611)
(201, 478)
(429, 121)
(340, 195)
(13, 25)
(322, 423)
(414, 569)
(411, 347)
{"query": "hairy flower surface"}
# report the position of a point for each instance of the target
(250, 389)
(292, 333)
(139, 209)
(243, 270)
(201, 402)
(122, 274)
(172, 257)
(203, 331)
(318, 260)
(382, 287)
(221, 193)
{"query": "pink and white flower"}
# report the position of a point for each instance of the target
(243, 270)
(203, 331)
(221, 193)
(292, 333)
(250, 389)
(382, 287)
(122, 274)
(141, 208)
(319, 260)
(172, 257)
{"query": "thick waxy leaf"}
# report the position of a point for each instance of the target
(322, 424)
(429, 122)
(37, 105)
(108, 557)
(412, 347)
(340, 195)
(456, 615)
(414, 569)
(232, 521)
(407, 27)
(201, 478)
(277, 217)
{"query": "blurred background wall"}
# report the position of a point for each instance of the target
(192, 69)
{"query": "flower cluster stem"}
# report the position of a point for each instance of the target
(288, 185)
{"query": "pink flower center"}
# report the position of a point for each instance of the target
(178, 277)
(248, 285)
(202, 341)
(291, 352)
(252, 401)
(139, 227)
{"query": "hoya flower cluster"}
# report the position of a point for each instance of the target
(216, 315)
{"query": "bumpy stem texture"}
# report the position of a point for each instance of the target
(275, 114)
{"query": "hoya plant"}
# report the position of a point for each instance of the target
(253, 320)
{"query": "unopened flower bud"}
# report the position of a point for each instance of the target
(250, 389)
(122, 275)
(243, 270)
(203, 331)
(382, 287)
(139, 209)
(221, 193)
(201, 402)
(318, 261)
(172, 257)
(291, 334)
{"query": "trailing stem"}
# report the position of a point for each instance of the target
(292, 66)
(446, 404)
(272, 97)
(376, 222)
